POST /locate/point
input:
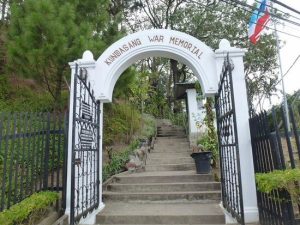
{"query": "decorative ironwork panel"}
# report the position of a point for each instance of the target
(85, 149)
(228, 145)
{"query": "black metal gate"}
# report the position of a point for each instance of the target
(228, 145)
(85, 149)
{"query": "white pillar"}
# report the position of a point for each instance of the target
(88, 63)
(243, 129)
(192, 115)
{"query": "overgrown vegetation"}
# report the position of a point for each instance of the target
(280, 179)
(30, 210)
(121, 122)
(24, 95)
(179, 119)
(148, 129)
(119, 159)
(209, 140)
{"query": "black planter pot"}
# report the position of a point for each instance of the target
(202, 161)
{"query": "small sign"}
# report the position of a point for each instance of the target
(86, 111)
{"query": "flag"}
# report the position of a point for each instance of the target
(258, 21)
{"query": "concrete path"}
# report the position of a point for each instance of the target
(168, 192)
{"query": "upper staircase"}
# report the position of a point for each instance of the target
(168, 192)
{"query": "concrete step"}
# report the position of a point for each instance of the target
(171, 134)
(177, 139)
(167, 154)
(203, 196)
(152, 213)
(171, 167)
(160, 144)
(171, 131)
(163, 177)
(172, 146)
(164, 187)
(171, 151)
(156, 160)
(170, 128)
(169, 139)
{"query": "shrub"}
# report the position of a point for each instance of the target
(29, 207)
(118, 161)
(121, 122)
(15, 98)
(179, 119)
(148, 129)
(279, 179)
(210, 144)
(210, 140)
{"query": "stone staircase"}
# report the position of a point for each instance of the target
(168, 192)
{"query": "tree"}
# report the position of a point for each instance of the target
(210, 21)
(45, 35)
(2, 48)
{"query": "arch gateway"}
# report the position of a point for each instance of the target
(220, 73)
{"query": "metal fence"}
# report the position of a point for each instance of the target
(32, 156)
(275, 147)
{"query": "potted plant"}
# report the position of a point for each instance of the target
(202, 159)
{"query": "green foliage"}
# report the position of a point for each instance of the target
(156, 104)
(210, 140)
(29, 207)
(210, 21)
(45, 35)
(179, 119)
(118, 161)
(141, 90)
(279, 179)
(209, 144)
(5, 88)
(121, 121)
(3, 32)
(17, 98)
(148, 129)
(125, 84)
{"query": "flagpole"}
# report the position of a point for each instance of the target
(286, 109)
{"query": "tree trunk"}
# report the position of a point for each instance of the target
(58, 89)
(169, 90)
(3, 9)
(176, 78)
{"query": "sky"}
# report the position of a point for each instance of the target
(290, 50)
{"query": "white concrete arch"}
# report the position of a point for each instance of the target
(154, 43)
(206, 65)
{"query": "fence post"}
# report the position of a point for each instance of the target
(47, 149)
(65, 164)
